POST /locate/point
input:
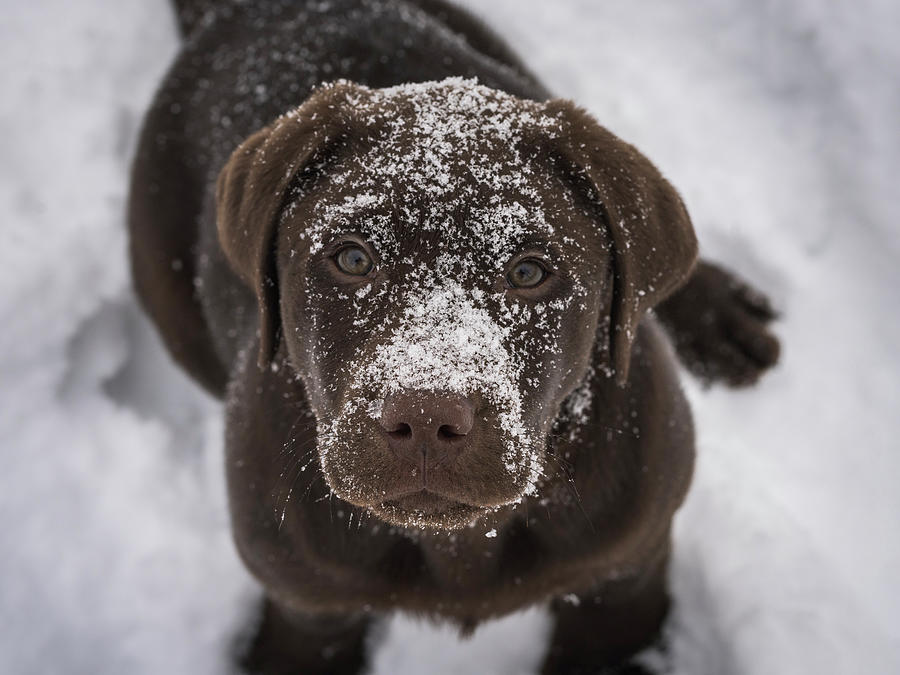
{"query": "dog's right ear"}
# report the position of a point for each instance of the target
(253, 185)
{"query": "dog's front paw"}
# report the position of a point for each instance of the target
(287, 643)
(568, 668)
(653, 660)
(720, 327)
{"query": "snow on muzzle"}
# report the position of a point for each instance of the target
(445, 341)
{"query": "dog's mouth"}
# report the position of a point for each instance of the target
(427, 509)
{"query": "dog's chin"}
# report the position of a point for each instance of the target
(427, 511)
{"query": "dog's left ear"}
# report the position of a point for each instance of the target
(254, 183)
(654, 243)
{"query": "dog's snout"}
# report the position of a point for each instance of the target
(426, 427)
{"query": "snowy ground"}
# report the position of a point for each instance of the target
(777, 119)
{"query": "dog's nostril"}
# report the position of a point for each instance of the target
(402, 430)
(449, 433)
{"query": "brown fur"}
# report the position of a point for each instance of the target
(240, 298)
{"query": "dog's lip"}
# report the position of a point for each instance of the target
(427, 502)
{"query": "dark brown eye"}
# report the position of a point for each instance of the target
(354, 261)
(526, 274)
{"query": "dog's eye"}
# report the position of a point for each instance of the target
(527, 274)
(353, 260)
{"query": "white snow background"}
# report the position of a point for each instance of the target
(777, 120)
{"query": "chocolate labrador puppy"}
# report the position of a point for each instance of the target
(424, 289)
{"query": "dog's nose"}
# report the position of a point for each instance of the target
(427, 428)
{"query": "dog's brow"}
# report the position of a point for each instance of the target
(442, 146)
(535, 241)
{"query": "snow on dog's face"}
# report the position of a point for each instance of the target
(441, 276)
(428, 268)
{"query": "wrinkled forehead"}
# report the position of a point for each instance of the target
(450, 166)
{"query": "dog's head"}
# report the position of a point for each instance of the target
(443, 263)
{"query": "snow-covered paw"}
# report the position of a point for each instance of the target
(720, 327)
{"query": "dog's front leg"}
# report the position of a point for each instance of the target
(288, 643)
(597, 633)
